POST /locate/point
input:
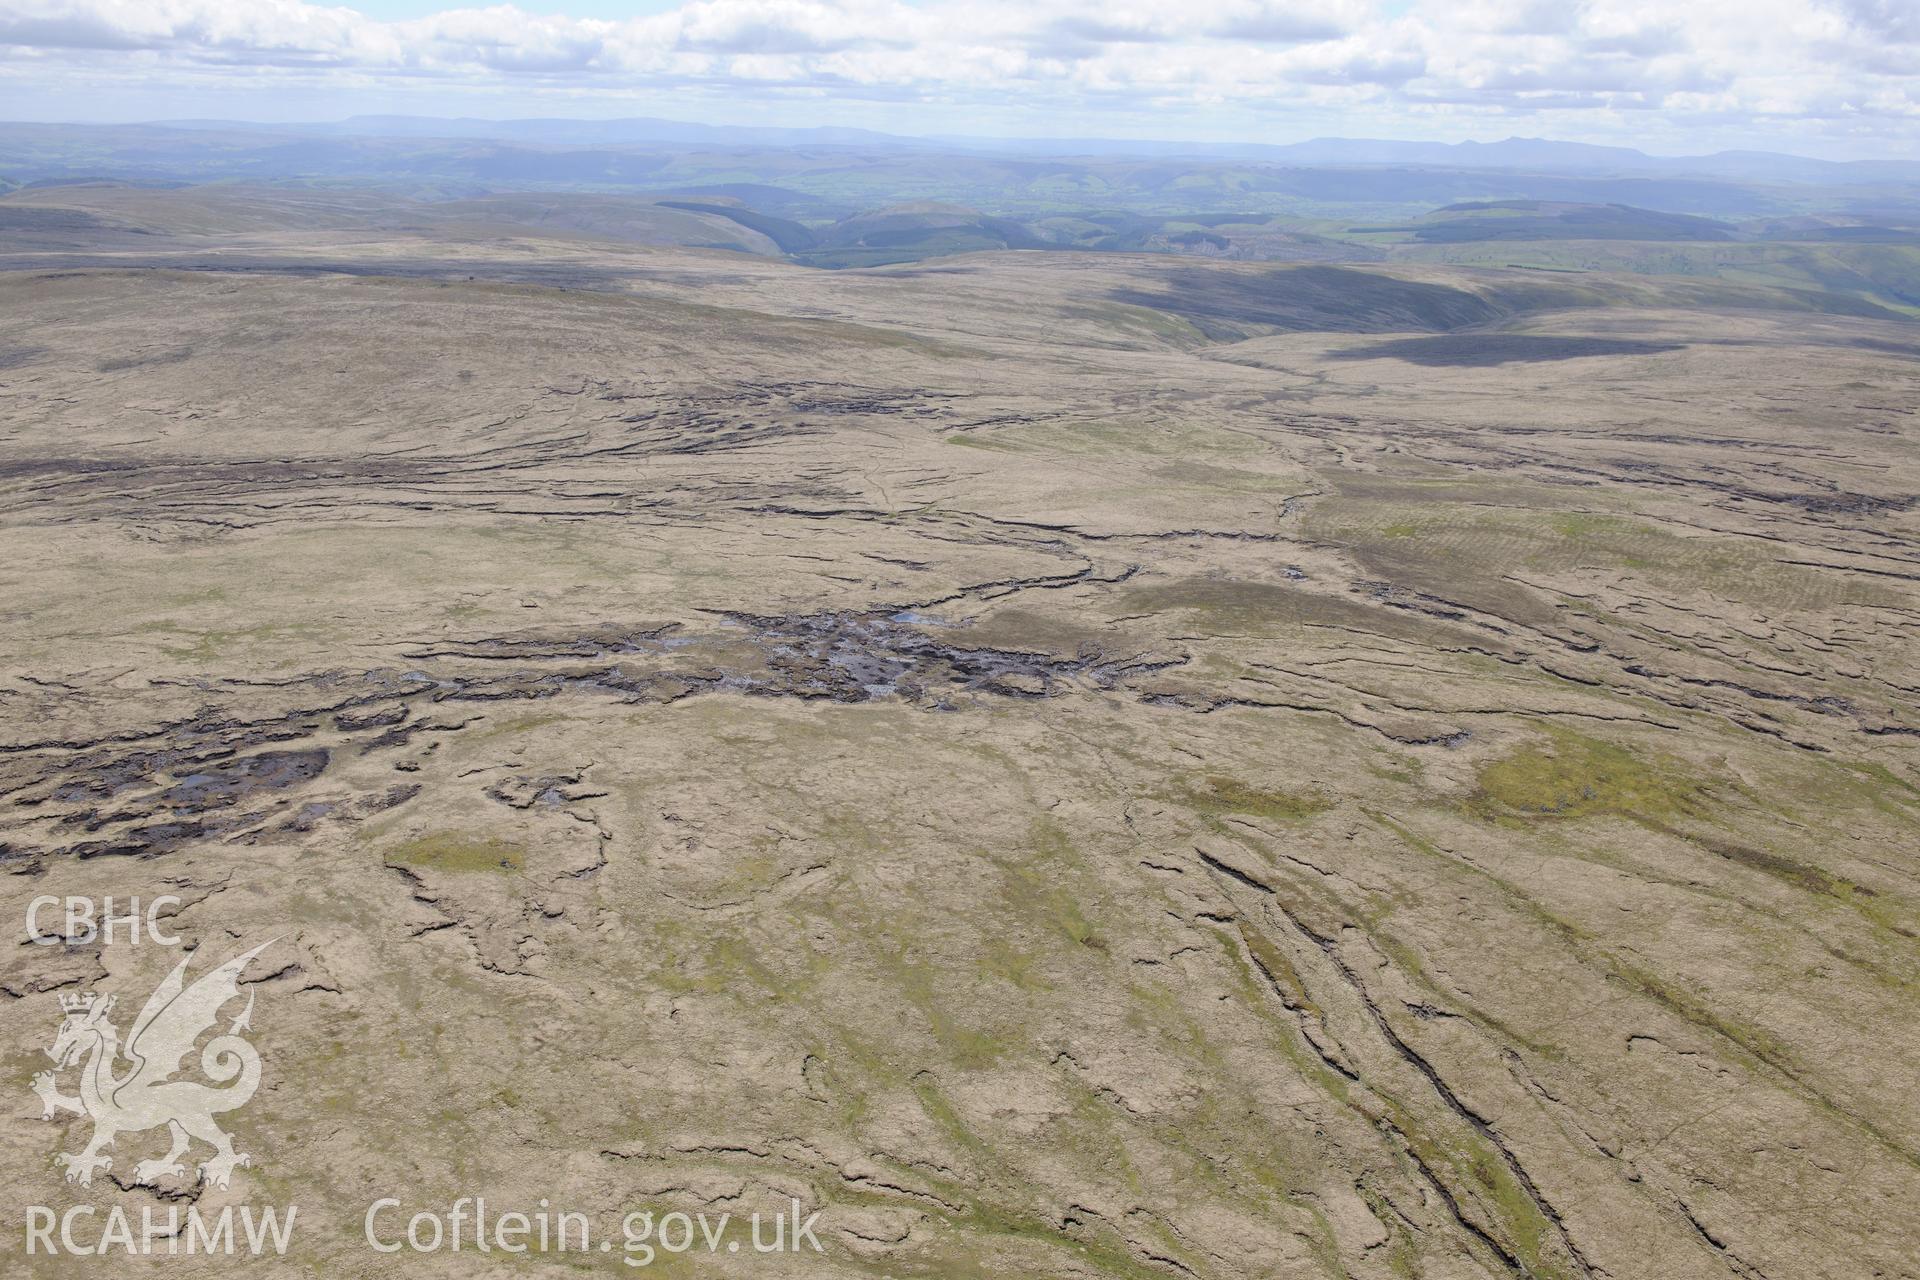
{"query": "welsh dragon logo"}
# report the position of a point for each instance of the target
(141, 1094)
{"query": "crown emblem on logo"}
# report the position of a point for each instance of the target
(71, 1002)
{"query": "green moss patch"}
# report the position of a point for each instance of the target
(1574, 776)
(455, 851)
(1220, 795)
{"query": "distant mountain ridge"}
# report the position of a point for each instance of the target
(821, 176)
(1516, 153)
(561, 132)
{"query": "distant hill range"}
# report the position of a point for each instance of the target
(848, 198)
(822, 175)
(1532, 154)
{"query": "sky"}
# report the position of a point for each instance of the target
(1830, 78)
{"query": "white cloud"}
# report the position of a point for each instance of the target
(1543, 64)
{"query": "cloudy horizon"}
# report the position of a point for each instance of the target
(1829, 78)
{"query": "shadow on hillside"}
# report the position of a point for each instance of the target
(1482, 349)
